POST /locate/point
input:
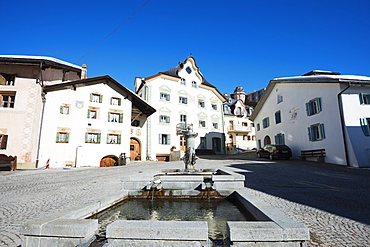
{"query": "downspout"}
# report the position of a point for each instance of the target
(147, 128)
(341, 113)
(42, 115)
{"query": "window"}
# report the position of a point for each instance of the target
(245, 137)
(164, 97)
(115, 101)
(258, 127)
(201, 103)
(7, 80)
(194, 84)
(7, 99)
(64, 109)
(280, 139)
(115, 117)
(364, 99)
(113, 139)
(313, 106)
(92, 138)
(3, 141)
(279, 98)
(183, 100)
(214, 107)
(164, 119)
(316, 132)
(277, 117)
(265, 122)
(365, 125)
(165, 139)
(202, 144)
(62, 137)
(239, 111)
(215, 125)
(135, 123)
(253, 138)
(182, 81)
(202, 123)
(244, 124)
(92, 114)
(94, 97)
(188, 69)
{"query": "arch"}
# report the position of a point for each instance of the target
(109, 160)
(135, 149)
(266, 140)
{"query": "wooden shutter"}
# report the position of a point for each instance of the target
(119, 101)
(108, 116)
(86, 137)
(3, 142)
(57, 138)
(100, 98)
(119, 139)
(121, 117)
(322, 131)
(160, 138)
(310, 133)
(61, 109)
(88, 113)
(67, 137)
(91, 97)
(99, 136)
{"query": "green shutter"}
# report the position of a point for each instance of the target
(322, 131)
(308, 109)
(119, 101)
(107, 138)
(168, 119)
(86, 137)
(310, 134)
(119, 139)
(57, 139)
(160, 138)
(99, 136)
(108, 116)
(67, 137)
(91, 97)
(318, 101)
(100, 98)
(168, 139)
(88, 113)
(111, 99)
(121, 117)
(61, 109)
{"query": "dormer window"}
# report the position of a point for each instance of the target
(188, 69)
(194, 84)
(183, 81)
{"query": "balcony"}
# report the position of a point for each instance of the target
(239, 129)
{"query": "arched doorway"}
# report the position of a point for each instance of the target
(267, 140)
(135, 149)
(109, 160)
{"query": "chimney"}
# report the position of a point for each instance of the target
(84, 71)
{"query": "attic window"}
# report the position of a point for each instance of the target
(188, 70)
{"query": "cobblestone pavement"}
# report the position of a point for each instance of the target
(333, 201)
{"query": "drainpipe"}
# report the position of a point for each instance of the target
(42, 115)
(341, 113)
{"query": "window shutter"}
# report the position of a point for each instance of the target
(310, 133)
(365, 126)
(3, 142)
(67, 137)
(57, 139)
(121, 117)
(308, 109)
(168, 139)
(160, 138)
(111, 100)
(277, 139)
(61, 109)
(100, 98)
(99, 136)
(322, 131)
(119, 139)
(91, 97)
(107, 138)
(283, 139)
(86, 137)
(167, 119)
(88, 113)
(108, 116)
(119, 101)
(361, 98)
(168, 97)
(318, 101)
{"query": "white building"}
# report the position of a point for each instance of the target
(21, 81)
(181, 97)
(319, 110)
(91, 122)
(239, 129)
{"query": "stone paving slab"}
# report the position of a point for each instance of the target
(25, 195)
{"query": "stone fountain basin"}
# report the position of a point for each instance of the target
(72, 228)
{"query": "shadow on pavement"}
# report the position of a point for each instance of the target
(335, 189)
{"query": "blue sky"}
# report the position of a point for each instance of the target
(235, 43)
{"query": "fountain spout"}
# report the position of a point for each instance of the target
(156, 184)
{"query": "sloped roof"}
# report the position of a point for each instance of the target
(137, 101)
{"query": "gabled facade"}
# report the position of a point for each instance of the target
(181, 97)
(239, 129)
(319, 110)
(22, 79)
(91, 122)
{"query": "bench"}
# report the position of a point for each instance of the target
(319, 154)
(8, 162)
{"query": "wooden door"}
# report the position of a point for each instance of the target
(135, 153)
(182, 143)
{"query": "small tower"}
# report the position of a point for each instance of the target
(239, 94)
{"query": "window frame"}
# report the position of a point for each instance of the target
(91, 140)
(7, 78)
(364, 98)
(365, 126)
(266, 122)
(194, 84)
(280, 139)
(115, 101)
(277, 117)
(115, 116)
(316, 132)
(164, 97)
(65, 138)
(117, 137)
(164, 119)
(201, 104)
(94, 99)
(10, 102)
(183, 100)
(165, 139)
(314, 106)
